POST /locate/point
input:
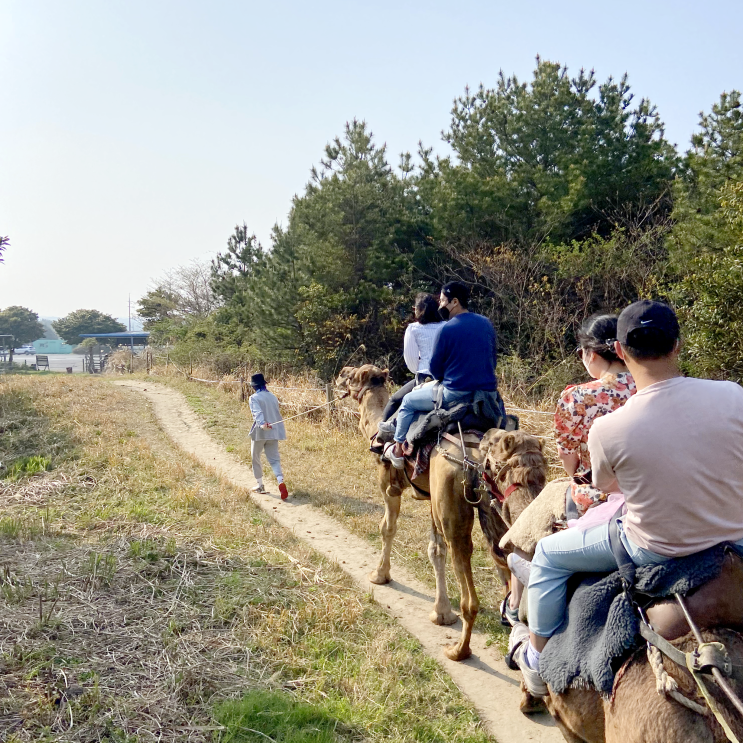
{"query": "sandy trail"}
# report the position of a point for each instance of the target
(484, 678)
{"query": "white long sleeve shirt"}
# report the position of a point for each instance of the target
(419, 344)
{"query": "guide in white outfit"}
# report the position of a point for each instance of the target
(265, 433)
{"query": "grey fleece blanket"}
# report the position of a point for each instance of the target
(601, 628)
(484, 407)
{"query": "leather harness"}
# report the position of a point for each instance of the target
(490, 481)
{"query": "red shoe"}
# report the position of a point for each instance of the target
(284, 492)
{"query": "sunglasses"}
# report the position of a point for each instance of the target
(579, 353)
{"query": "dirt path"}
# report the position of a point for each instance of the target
(484, 678)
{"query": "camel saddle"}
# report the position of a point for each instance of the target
(602, 627)
(481, 411)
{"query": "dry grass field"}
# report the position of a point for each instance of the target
(327, 463)
(142, 599)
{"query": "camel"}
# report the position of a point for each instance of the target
(518, 466)
(636, 712)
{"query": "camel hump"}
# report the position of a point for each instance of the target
(717, 603)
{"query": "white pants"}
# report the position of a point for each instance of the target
(271, 449)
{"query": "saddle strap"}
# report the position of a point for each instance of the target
(468, 444)
(662, 644)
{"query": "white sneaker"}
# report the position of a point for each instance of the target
(520, 568)
(518, 642)
(259, 489)
(397, 462)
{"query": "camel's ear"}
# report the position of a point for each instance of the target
(490, 440)
(386, 373)
(506, 445)
(344, 375)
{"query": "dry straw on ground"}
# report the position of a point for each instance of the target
(138, 591)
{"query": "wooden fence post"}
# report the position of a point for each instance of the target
(329, 399)
(242, 389)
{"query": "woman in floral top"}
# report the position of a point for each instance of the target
(580, 405)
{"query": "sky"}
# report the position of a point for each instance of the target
(135, 134)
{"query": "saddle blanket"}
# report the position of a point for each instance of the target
(602, 629)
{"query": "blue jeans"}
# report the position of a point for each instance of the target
(422, 401)
(560, 555)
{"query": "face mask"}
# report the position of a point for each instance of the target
(444, 312)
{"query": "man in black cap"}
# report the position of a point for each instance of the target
(266, 432)
(675, 450)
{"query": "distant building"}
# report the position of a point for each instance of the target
(51, 345)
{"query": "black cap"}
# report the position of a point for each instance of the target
(257, 380)
(647, 314)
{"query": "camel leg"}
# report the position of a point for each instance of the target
(455, 518)
(442, 612)
(461, 555)
(387, 526)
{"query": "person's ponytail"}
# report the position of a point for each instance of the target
(598, 334)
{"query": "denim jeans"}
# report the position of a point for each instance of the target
(560, 555)
(422, 401)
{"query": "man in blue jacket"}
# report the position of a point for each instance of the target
(463, 361)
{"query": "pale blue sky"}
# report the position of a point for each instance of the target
(134, 134)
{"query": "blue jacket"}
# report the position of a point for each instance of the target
(465, 354)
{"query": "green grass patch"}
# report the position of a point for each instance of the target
(28, 466)
(278, 717)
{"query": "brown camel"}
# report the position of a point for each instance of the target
(636, 712)
(517, 465)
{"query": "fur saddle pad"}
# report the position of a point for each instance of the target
(485, 410)
(601, 628)
(538, 519)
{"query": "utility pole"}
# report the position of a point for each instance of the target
(130, 313)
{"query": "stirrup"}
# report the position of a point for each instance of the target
(508, 616)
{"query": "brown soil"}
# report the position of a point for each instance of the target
(484, 678)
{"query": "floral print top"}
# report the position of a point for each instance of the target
(577, 409)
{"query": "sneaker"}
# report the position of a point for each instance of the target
(520, 568)
(508, 617)
(386, 427)
(259, 489)
(518, 642)
(397, 462)
(284, 492)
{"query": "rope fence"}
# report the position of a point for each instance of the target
(243, 384)
(526, 410)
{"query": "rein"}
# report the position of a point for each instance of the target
(490, 479)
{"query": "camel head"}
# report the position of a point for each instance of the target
(515, 457)
(356, 380)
